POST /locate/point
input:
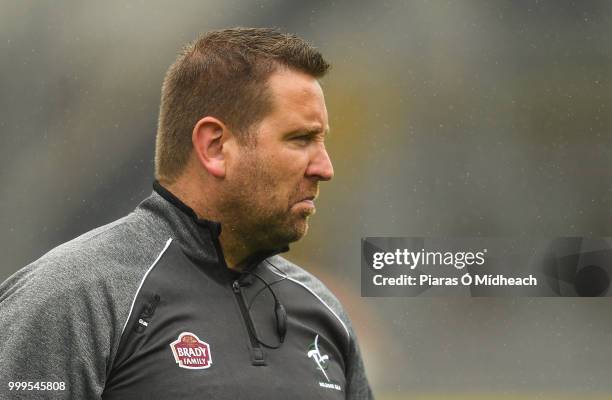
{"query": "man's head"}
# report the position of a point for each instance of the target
(224, 74)
(242, 124)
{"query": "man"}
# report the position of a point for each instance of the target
(187, 297)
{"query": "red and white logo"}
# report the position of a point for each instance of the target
(190, 352)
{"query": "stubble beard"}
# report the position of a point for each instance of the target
(255, 214)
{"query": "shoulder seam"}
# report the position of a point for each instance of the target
(142, 283)
(317, 297)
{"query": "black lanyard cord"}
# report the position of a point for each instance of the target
(280, 313)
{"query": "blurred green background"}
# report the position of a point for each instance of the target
(449, 118)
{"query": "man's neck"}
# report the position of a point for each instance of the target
(235, 250)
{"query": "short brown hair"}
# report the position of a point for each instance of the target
(223, 74)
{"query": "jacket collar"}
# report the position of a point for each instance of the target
(213, 227)
(199, 238)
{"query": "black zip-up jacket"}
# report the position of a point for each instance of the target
(146, 308)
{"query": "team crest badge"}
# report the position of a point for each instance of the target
(190, 352)
(321, 360)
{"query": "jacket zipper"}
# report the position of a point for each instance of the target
(257, 354)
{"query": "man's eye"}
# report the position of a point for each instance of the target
(303, 138)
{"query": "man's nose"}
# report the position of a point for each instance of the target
(320, 165)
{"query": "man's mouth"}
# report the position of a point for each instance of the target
(307, 201)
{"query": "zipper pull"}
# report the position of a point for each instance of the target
(236, 287)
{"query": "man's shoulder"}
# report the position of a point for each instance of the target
(111, 257)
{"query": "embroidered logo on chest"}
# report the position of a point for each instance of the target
(190, 352)
(321, 362)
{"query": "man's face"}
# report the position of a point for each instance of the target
(272, 185)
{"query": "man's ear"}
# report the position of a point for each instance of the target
(208, 138)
